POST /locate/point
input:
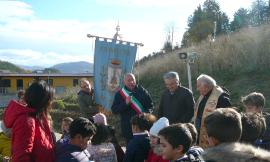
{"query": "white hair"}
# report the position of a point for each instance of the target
(129, 74)
(207, 80)
(171, 75)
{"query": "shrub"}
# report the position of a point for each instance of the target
(58, 115)
(71, 98)
(70, 95)
(72, 107)
(58, 104)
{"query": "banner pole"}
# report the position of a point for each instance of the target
(94, 36)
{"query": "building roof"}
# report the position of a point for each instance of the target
(46, 75)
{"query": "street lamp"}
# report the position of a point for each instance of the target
(215, 31)
(188, 58)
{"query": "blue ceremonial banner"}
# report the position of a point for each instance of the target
(112, 59)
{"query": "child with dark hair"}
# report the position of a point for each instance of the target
(223, 125)
(254, 103)
(175, 141)
(194, 151)
(224, 129)
(100, 148)
(65, 130)
(139, 145)
(31, 131)
(119, 151)
(253, 125)
(81, 132)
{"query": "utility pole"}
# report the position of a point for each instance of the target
(189, 75)
(172, 36)
(215, 30)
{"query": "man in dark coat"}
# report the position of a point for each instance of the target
(86, 99)
(177, 102)
(132, 99)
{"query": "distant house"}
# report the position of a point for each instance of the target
(4, 71)
(11, 83)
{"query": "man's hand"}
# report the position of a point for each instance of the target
(128, 100)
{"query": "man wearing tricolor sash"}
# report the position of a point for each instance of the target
(130, 100)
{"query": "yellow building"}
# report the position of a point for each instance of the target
(11, 83)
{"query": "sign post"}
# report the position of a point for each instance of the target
(188, 58)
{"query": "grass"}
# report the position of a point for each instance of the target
(240, 62)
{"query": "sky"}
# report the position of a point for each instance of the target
(48, 32)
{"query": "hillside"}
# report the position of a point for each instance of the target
(31, 68)
(240, 62)
(4, 65)
(74, 67)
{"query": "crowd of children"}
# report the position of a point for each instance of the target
(27, 134)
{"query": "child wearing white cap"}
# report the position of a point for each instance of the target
(154, 154)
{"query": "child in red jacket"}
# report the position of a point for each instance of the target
(31, 132)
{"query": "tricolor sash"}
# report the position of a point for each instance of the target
(135, 104)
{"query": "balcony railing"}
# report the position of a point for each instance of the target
(4, 90)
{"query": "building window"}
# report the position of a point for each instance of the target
(75, 82)
(19, 84)
(5, 83)
(50, 82)
(59, 90)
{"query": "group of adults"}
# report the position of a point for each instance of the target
(176, 103)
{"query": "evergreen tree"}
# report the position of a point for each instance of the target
(240, 20)
(213, 14)
(204, 21)
(167, 47)
(259, 12)
(51, 70)
(185, 40)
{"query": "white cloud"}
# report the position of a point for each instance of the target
(25, 39)
(150, 3)
(37, 58)
(10, 9)
(49, 39)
